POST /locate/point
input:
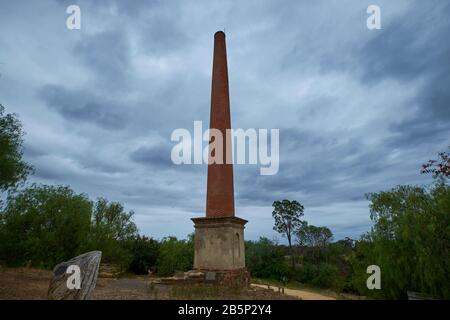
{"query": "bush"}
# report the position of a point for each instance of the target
(321, 275)
(111, 229)
(144, 253)
(409, 241)
(43, 226)
(264, 259)
(175, 255)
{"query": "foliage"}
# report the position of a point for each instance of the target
(111, 228)
(316, 238)
(109, 220)
(312, 236)
(410, 242)
(439, 167)
(175, 255)
(43, 225)
(265, 259)
(144, 252)
(13, 169)
(287, 217)
(324, 264)
(322, 275)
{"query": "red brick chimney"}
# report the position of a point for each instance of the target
(220, 190)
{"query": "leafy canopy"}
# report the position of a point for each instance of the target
(175, 255)
(287, 217)
(13, 169)
(44, 225)
(312, 236)
(410, 241)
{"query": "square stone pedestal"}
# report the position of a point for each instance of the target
(220, 251)
(219, 243)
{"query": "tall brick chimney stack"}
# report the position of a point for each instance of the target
(219, 250)
(220, 190)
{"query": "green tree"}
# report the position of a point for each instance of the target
(144, 252)
(43, 225)
(111, 228)
(410, 241)
(312, 236)
(13, 169)
(287, 216)
(316, 238)
(175, 255)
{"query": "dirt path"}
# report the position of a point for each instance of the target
(302, 294)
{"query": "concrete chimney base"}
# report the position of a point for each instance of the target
(219, 243)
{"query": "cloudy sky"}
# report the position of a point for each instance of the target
(358, 110)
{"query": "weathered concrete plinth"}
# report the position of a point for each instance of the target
(220, 251)
(219, 243)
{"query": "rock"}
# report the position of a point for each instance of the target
(88, 264)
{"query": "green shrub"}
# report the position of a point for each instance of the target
(43, 226)
(111, 229)
(264, 259)
(144, 253)
(175, 255)
(321, 275)
(410, 242)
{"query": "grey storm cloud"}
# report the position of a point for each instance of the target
(412, 49)
(153, 156)
(106, 55)
(78, 106)
(358, 110)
